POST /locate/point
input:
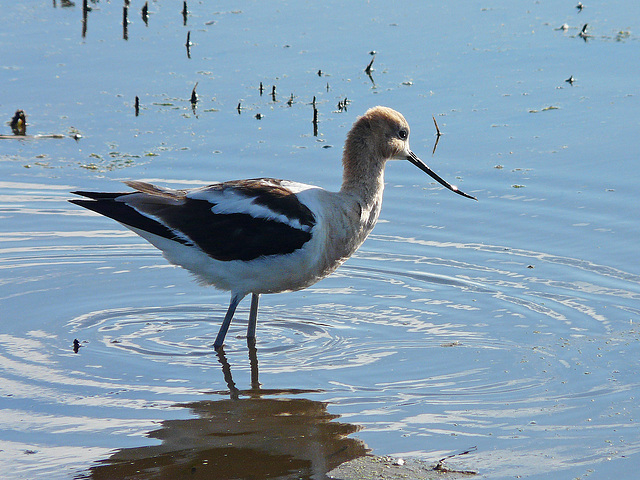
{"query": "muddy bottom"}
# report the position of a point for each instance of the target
(388, 468)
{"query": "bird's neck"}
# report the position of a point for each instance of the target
(363, 188)
(363, 180)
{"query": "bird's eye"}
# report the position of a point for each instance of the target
(403, 134)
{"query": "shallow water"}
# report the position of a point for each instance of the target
(510, 324)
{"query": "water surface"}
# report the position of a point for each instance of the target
(510, 324)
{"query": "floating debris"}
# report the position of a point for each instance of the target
(185, 13)
(125, 22)
(440, 466)
(194, 95)
(89, 166)
(19, 123)
(194, 99)
(583, 33)
(550, 107)
(85, 14)
(145, 13)
(368, 69)
(438, 133)
(315, 119)
(622, 35)
(75, 133)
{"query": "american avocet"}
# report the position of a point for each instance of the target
(265, 235)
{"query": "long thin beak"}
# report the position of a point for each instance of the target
(423, 166)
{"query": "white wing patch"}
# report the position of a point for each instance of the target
(229, 200)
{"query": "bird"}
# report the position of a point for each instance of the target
(266, 235)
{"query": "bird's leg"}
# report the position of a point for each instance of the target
(235, 300)
(253, 362)
(253, 317)
(234, 392)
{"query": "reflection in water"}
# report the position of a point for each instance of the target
(245, 436)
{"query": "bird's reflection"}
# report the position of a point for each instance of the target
(255, 433)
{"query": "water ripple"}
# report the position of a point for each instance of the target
(486, 346)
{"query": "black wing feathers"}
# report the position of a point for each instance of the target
(223, 236)
(123, 213)
(233, 236)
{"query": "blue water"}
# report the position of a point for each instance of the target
(510, 324)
